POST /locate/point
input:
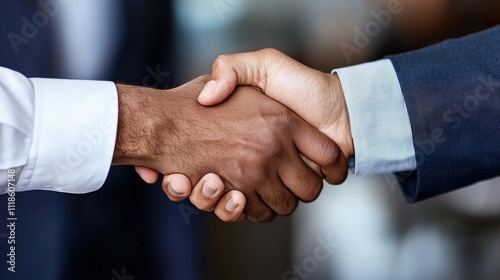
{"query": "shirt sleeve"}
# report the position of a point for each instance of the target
(59, 134)
(380, 124)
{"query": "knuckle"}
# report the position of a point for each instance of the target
(245, 174)
(330, 155)
(282, 202)
(269, 144)
(338, 175)
(237, 173)
(204, 77)
(281, 118)
(271, 151)
(312, 190)
(221, 60)
(271, 52)
(288, 206)
(337, 180)
(261, 215)
(277, 138)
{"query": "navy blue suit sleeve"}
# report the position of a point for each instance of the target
(452, 94)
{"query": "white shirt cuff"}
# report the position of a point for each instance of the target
(74, 136)
(380, 124)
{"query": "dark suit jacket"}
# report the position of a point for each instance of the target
(452, 94)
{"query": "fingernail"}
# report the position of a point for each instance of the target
(208, 189)
(174, 192)
(208, 89)
(231, 205)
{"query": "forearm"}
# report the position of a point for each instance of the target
(65, 132)
(146, 126)
(452, 92)
(17, 104)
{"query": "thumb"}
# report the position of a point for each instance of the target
(229, 71)
(150, 176)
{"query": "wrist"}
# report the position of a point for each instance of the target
(342, 133)
(134, 126)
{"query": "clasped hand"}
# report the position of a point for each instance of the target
(247, 155)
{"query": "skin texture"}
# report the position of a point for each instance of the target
(251, 141)
(315, 96)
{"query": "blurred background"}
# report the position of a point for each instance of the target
(362, 229)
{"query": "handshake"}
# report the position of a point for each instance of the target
(249, 141)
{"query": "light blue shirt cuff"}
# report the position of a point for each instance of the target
(380, 125)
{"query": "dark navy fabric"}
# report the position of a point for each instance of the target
(452, 94)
